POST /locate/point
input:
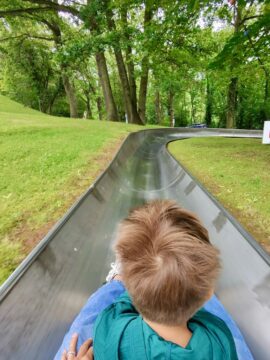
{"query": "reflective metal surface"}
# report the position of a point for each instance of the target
(43, 295)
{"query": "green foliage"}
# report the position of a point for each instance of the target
(32, 70)
(180, 42)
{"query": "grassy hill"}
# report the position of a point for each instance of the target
(46, 163)
(9, 106)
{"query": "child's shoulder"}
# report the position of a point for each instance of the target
(111, 324)
(217, 329)
(210, 321)
(121, 308)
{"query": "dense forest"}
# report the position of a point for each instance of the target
(167, 62)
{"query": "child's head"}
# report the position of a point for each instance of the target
(168, 265)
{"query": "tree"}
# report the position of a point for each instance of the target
(237, 48)
(53, 24)
(91, 16)
(150, 61)
(33, 69)
(130, 102)
(148, 14)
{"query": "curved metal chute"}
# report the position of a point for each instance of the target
(43, 295)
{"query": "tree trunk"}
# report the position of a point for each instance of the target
(158, 107)
(131, 77)
(145, 69)
(129, 60)
(71, 96)
(266, 89)
(69, 89)
(240, 118)
(266, 105)
(170, 108)
(231, 103)
(99, 107)
(59, 88)
(89, 114)
(193, 109)
(98, 101)
(143, 88)
(110, 106)
(209, 104)
(111, 110)
(232, 90)
(131, 108)
(124, 83)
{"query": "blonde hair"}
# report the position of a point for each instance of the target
(168, 265)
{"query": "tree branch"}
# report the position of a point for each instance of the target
(55, 6)
(54, 27)
(257, 55)
(47, 5)
(249, 18)
(26, 36)
(22, 11)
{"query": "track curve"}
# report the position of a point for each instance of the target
(47, 290)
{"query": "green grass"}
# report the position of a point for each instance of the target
(46, 163)
(236, 171)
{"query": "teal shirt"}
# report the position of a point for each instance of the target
(120, 333)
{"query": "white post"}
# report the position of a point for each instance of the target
(266, 133)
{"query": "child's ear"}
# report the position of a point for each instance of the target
(118, 277)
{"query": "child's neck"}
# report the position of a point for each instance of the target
(178, 334)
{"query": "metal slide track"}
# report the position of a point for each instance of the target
(43, 295)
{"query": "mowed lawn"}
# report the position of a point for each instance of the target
(46, 163)
(236, 172)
